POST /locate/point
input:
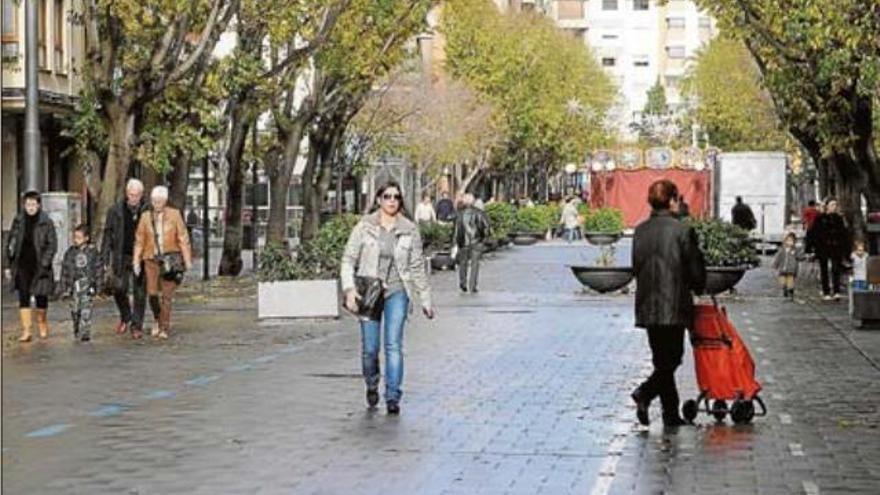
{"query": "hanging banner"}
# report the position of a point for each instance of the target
(628, 191)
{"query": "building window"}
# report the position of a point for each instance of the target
(578, 34)
(10, 29)
(58, 38)
(675, 51)
(675, 23)
(705, 23)
(641, 5)
(641, 62)
(41, 35)
(570, 9)
(609, 4)
(609, 61)
(609, 37)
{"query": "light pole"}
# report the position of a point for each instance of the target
(206, 236)
(33, 169)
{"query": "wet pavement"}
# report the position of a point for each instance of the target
(519, 389)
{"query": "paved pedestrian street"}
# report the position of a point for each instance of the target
(520, 389)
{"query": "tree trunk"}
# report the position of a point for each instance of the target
(310, 220)
(864, 152)
(230, 261)
(118, 157)
(279, 182)
(179, 182)
(849, 191)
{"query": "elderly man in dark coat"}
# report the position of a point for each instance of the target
(669, 268)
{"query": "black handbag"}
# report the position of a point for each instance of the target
(372, 292)
(171, 265)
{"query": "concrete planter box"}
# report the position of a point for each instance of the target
(602, 238)
(298, 299)
(723, 278)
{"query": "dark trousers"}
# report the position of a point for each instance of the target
(667, 348)
(125, 282)
(24, 300)
(469, 265)
(832, 285)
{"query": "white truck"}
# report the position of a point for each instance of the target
(761, 178)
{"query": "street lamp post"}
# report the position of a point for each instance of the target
(33, 169)
(206, 235)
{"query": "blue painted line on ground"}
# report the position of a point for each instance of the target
(202, 380)
(266, 359)
(49, 431)
(108, 410)
(160, 394)
(238, 367)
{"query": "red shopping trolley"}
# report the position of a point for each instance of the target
(725, 369)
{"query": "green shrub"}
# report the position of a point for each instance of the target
(436, 236)
(724, 244)
(606, 220)
(502, 218)
(317, 259)
(550, 215)
(531, 220)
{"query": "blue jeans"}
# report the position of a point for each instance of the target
(393, 319)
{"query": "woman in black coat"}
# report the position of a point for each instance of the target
(29, 252)
(829, 239)
(669, 268)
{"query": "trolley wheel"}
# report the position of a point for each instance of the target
(742, 412)
(689, 410)
(719, 410)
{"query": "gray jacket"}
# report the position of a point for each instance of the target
(361, 256)
(786, 262)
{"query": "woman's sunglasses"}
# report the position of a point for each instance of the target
(389, 197)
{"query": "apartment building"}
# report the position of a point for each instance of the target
(638, 42)
(60, 51)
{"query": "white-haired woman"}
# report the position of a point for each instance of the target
(162, 243)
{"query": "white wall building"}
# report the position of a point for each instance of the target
(636, 41)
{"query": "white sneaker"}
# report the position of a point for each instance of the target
(826, 297)
(154, 330)
(836, 297)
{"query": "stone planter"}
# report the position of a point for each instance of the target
(603, 279)
(602, 238)
(298, 299)
(524, 240)
(723, 278)
(442, 260)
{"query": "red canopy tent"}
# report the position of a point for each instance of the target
(628, 191)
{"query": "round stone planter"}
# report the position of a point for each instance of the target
(603, 279)
(602, 238)
(442, 260)
(723, 278)
(524, 240)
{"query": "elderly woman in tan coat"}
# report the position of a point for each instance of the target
(162, 244)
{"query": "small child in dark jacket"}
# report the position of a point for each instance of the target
(786, 264)
(82, 275)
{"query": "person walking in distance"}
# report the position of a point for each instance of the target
(117, 252)
(30, 250)
(570, 219)
(669, 268)
(471, 229)
(742, 216)
(387, 246)
(425, 211)
(786, 265)
(829, 240)
(82, 274)
(445, 208)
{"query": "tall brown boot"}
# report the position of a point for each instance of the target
(25, 315)
(42, 323)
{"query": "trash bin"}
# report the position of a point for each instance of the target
(247, 231)
(873, 228)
